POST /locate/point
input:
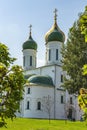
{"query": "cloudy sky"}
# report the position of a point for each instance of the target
(17, 15)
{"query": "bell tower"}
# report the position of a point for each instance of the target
(54, 39)
(29, 52)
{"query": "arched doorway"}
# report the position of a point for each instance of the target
(70, 114)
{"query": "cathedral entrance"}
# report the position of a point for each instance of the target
(70, 114)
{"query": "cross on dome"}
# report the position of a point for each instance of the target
(30, 29)
(55, 16)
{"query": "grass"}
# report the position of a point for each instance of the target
(38, 124)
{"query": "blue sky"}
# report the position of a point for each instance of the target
(17, 15)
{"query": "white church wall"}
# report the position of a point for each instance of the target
(33, 71)
(48, 70)
(37, 93)
(58, 74)
(60, 112)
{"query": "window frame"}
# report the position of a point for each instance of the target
(28, 105)
(61, 78)
(23, 60)
(62, 99)
(71, 100)
(28, 90)
(30, 60)
(56, 54)
(49, 54)
(38, 105)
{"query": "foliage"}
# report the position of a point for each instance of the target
(74, 54)
(11, 85)
(84, 69)
(82, 101)
(83, 22)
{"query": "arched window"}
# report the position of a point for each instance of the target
(28, 90)
(56, 54)
(71, 102)
(30, 60)
(62, 99)
(62, 78)
(28, 104)
(24, 61)
(49, 54)
(38, 105)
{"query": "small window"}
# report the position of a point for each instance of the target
(28, 91)
(71, 100)
(30, 60)
(61, 99)
(38, 105)
(49, 54)
(62, 78)
(24, 61)
(28, 104)
(56, 54)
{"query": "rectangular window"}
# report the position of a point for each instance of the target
(30, 60)
(61, 99)
(28, 104)
(49, 54)
(28, 91)
(56, 54)
(24, 61)
(62, 78)
(71, 100)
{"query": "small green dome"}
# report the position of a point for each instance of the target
(43, 80)
(30, 44)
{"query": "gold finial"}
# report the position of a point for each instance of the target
(30, 29)
(55, 16)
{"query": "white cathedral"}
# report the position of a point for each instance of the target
(43, 96)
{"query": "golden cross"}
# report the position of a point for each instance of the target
(55, 12)
(30, 29)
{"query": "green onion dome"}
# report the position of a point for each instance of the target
(30, 43)
(55, 34)
(41, 80)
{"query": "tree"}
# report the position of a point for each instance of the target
(83, 22)
(66, 109)
(82, 101)
(47, 105)
(82, 97)
(11, 85)
(74, 54)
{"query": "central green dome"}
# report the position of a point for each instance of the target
(39, 79)
(55, 34)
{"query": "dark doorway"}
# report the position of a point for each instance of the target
(70, 114)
